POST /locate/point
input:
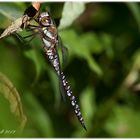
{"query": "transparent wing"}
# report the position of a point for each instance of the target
(61, 87)
(62, 90)
(64, 52)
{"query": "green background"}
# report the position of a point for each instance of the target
(102, 65)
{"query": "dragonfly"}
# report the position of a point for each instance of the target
(50, 38)
(48, 33)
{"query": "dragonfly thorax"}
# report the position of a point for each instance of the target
(48, 30)
(49, 36)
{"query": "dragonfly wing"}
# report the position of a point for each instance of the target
(64, 51)
(62, 90)
(61, 87)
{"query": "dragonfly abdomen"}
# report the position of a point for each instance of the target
(73, 100)
(53, 58)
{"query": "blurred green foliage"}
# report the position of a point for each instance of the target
(103, 69)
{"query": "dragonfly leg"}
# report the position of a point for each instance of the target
(32, 28)
(21, 39)
(31, 35)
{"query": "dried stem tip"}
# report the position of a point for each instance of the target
(36, 5)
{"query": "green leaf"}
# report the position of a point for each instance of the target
(93, 65)
(133, 76)
(124, 122)
(54, 80)
(11, 94)
(8, 121)
(39, 116)
(71, 11)
(79, 46)
(107, 41)
(134, 7)
(92, 42)
(88, 107)
(11, 11)
(33, 55)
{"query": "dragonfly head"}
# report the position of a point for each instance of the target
(45, 19)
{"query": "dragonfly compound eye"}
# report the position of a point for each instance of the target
(44, 19)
